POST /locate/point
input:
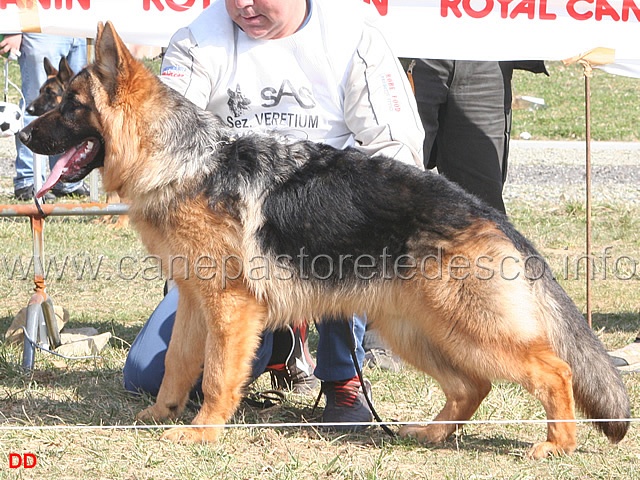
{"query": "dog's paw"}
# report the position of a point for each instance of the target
(154, 413)
(426, 434)
(122, 221)
(191, 435)
(547, 449)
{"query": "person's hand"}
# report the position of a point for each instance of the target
(10, 44)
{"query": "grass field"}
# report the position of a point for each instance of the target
(67, 411)
(614, 105)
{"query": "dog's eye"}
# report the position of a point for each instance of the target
(69, 106)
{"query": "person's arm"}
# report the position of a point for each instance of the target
(380, 107)
(183, 70)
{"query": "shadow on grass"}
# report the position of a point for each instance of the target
(66, 397)
(628, 322)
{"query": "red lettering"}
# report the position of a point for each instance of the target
(146, 5)
(454, 5)
(544, 15)
(466, 4)
(13, 458)
(592, 10)
(26, 460)
(46, 4)
(18, 3)
(628, 5)
(571, 10)
(504, 7)
(525, 6)
(603, 8)
(174, 5)
(177, 7)
(85, 4)
(381, 5)
(29, 460)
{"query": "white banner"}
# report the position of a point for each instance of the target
(451, 29)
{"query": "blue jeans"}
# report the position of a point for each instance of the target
(35, 47)
(144, 368)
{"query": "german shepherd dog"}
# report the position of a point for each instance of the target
(51, 91)
(258, 233)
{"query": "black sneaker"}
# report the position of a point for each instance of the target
(296, 374)
(81, 191)
(346, 404)
(26, 194)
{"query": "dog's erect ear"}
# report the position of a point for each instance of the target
(112, 58)
(99, 31)
(49, 68)
(64, 71)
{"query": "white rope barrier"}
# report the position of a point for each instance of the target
(320, 425)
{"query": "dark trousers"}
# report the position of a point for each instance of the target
(465, 108)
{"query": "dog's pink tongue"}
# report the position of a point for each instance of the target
(56, 172)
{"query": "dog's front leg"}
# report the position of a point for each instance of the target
(234, 326)
(183, 362)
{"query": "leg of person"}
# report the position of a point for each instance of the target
(345, 402)
(291, 365)
(144, 367)
(507, 80)
(431, 79)
(77, 54)
(471, 140)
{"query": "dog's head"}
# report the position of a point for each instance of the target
(52, 89)
(91, 114)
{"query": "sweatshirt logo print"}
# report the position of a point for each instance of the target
(303, 96)
(237, 102)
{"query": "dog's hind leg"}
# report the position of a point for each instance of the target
(183, 362)
(233, 333)
(463, 396)
(548, 378)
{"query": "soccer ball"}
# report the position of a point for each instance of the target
(11, 119)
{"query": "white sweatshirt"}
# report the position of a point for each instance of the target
(334, 81)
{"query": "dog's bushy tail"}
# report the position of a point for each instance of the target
(598, 389)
